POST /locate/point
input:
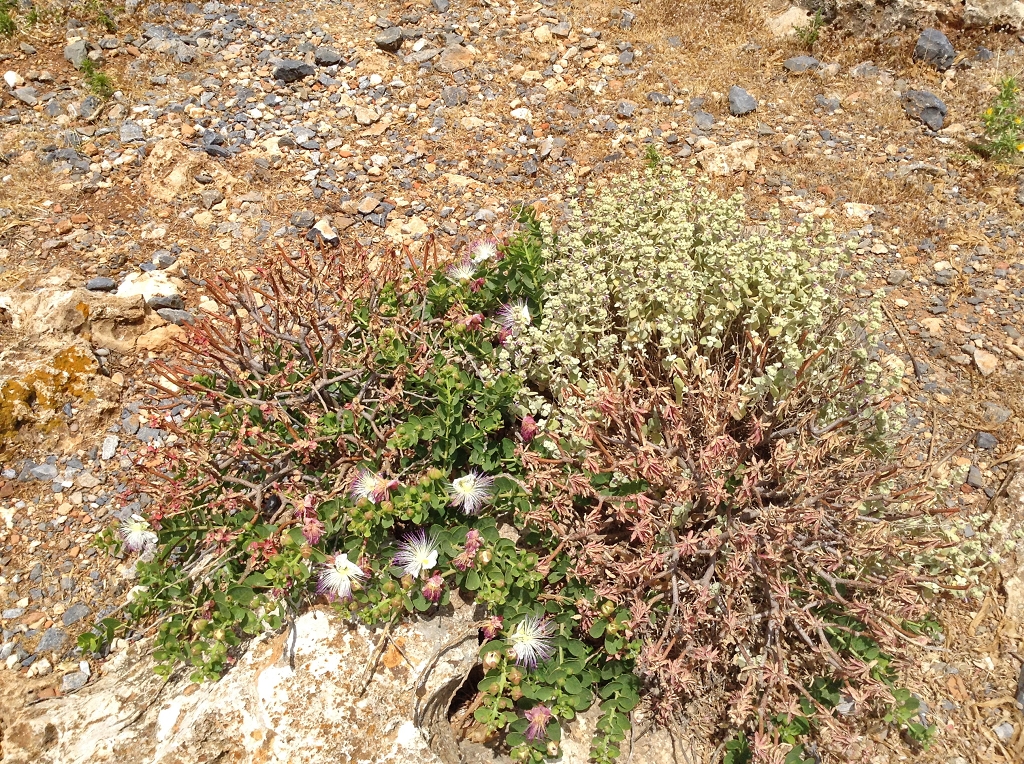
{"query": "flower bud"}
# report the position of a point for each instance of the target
(491, 660)
(552, 748)
(528, 429)
(515, 693)
(515, 676)
(607, 608)
(484, 557)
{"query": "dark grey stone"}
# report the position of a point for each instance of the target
(741, 102)
(800, 64)
(925, 107)
(131, 132)
(76, 53)
(453, 96)
(302, 219)
(974, 479)
(52, 641)
(75, 613)
(170, 301)
(987, 441)
(29, 96)
(390, 40)
(177, 317)
(72, 682)
(831, 105)
(933, 47)
(327, 56)
(100, 284)
(291, 70)
(897, 277)
(90, 108)
(704, 120)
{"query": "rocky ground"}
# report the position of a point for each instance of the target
(237, 128)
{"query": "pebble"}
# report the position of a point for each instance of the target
(933, 47)
(101, 284)
(800, 64)
(290, 70)
(73, 682)
(986, 441)
(109, 448)
(389, 40)
(925, 107)
(741, 102)
(177, 317)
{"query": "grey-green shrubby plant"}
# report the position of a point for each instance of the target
(680, 415)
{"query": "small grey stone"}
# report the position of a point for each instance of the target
(291, 70)
(109, 447)
(933, 47)
(986, 441)
(441, 6)
(44, 472)
(27, 49)
(161, 301)
(303, 219)
(625, 109)
(703, 120)
(203, 179)
(27, 95)
(53, 640)
(77, 52)
(390, 40)
(800, 64)
(925, 107)
(561, 29)
(995, 413)
(90, 108)
(210, 197)
(176, 317)
(100, 284)
(164, 259)
(130, 132)
(830, 105)
(453, 95)
(75, 613)
(327, 56)
(628, 17)
(897, 277)
(740, 101)
(72, 682)
(15, 612)
(659, 98)
(1004, 732)
(974, 478)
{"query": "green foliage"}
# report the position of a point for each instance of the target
(98, 82)
(678, 414)
(808, 33)
(1003, 123)
(7, 26)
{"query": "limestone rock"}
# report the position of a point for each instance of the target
(292, 698)
(170, 167)
(785, 24)
(453, 59)
(104, 319)
(994, 13)
(725, 160)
